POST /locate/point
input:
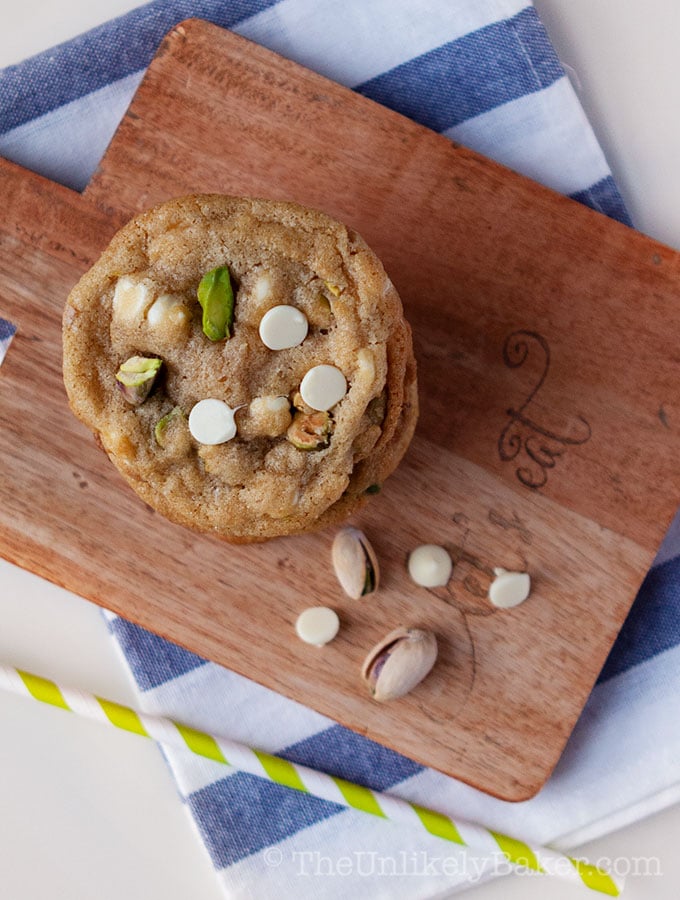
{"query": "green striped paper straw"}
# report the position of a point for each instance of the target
(310, 781)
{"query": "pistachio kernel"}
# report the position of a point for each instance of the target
(377, 408)
(333, 288)
(318, 312)
(136, 377)
(162, 426)
(310, 431)
(216, 297)
(300, 404)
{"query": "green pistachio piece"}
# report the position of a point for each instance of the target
(377, 408)
(310, 431)
(136, 377)
(372, 489)
(161, 429)
(216, 296)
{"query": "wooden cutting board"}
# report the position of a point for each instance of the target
(547, 342)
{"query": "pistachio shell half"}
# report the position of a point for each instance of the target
(399, 662)
(355, 563)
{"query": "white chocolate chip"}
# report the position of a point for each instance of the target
(267, 417)
(262, 288)
(323, 387)
(366, 364)
(509, 589)
(283, 327)
(365, 371)
(261, 405)
(317, 625)
(167, 310)
(430, 566)
(130, 300)
(212, 422)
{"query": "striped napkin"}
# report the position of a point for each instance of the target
(7, 332)
(483, 73)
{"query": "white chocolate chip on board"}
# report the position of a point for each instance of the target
(212, 422)
(430, 566)
(323, 387)
(317, 625)
(283, 327)
(509, 589)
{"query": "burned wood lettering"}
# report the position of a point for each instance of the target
(467, 591)
(507, 524)
(524, 439)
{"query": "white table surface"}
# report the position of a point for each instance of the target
(88, 812)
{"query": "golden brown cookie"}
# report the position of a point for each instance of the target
(200, 300)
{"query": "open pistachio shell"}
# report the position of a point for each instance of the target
(399, 662)
(355, 563)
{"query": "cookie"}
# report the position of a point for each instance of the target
(245, 364)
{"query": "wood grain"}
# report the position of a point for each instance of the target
(548, 440)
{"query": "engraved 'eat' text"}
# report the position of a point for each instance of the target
(524, 439)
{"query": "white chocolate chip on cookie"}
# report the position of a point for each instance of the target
(283, 327)
(168, 311)
(263, 287)
(266, 417)
(323, 387)
(130, 300)
(212, 422)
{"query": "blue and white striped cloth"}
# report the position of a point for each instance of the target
(483, 73)
(7, 332)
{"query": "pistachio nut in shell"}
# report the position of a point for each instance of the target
(399, 662)
(355, 563)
